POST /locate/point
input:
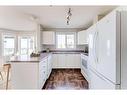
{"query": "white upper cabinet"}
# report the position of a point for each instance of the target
(48, 37)
(82, 37)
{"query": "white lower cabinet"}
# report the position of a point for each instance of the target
(70, 62)
(42, 79)
(62, 61)
(73, 61)
(66, 60)
(55, 60)
(43, 72)
(49, 67)
(45, 68)
(77, 60)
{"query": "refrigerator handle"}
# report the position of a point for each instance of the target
(95, 47)
(94, 43)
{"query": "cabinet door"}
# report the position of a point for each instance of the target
(55, 61)
(87, 36)
(48, 37)
(77, 60)
(82, 37)
(59, 61)
(72, 60)
(62, 61)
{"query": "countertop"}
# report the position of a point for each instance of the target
(24, 58)
(27, 58)
(67, 52)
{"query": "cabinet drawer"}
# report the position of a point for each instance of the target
(41, 70)
(43, 74)
(44, 60)
(43, 64)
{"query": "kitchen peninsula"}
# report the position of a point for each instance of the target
(30, 72)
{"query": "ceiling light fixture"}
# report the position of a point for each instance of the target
(69, 14)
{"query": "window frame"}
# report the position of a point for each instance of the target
(8, 35)
(65, 33)
(19, 43)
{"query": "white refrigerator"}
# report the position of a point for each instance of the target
(107, 62)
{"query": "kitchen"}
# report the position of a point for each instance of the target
(64, 54)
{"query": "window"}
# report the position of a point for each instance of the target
(70, 41)
(8, 45)
(65, 40)
(26, 45)
(61, 42)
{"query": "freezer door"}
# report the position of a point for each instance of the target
(96, 81)
(109, 47)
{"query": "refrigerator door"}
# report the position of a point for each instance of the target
(109, 47)
(91, 41)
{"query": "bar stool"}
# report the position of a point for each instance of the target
(7, 69)
(4, 67)
(1, 69)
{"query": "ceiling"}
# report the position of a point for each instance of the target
(55, 16)
(52, 16)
